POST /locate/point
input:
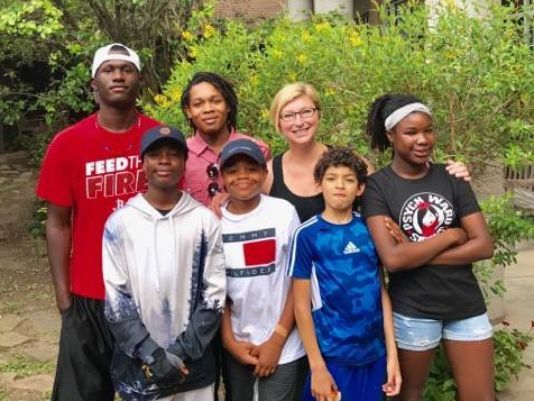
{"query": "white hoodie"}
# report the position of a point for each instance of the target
(164, 277)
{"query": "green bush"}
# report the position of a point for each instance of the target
(508, 227)
(37, 226)
(510, 345)
(39, 33)
(476, 74)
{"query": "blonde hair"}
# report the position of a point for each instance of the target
(289, 93)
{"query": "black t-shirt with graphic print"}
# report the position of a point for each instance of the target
(423, 208)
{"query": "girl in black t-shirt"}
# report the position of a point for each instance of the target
(428, 230)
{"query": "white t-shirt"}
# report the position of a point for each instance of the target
(256, 251)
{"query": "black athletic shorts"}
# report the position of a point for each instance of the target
(85, 349)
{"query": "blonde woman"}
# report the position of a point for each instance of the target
(296, 113)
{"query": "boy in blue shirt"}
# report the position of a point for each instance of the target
(342, 309)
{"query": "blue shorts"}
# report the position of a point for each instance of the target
(416, 334)
(356, 383)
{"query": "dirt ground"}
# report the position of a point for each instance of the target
(29, 324)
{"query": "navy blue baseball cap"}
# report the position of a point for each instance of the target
(242, 147)
(162, 133)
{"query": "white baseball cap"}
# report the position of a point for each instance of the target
(109, 52)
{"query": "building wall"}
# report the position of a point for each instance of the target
(345, 7)
(473, 7)
(249, 9)
(254, 9)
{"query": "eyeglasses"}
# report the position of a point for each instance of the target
(213, 175)
(304, 114)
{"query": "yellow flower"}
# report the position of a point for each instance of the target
(193, 52)
(208, 31)
(187, 36)
(175, 94)
(301, 58)
(292, 76)
(161, 100)
(265, 113)
(306, 37)
(330, 91)
(277, 54)
(355, 40)
(322, 26)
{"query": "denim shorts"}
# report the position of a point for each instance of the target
(416, 334)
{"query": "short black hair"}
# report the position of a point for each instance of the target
(166, 142)
(380, 109)
(224, 86)
(341, 156)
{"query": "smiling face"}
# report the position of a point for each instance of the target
(340, 188)
(164, 166)
(300, 130)
(116, 83)
(243, 178)
(207, 109)
(413, 139)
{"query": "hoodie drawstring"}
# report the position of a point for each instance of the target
(155, 249)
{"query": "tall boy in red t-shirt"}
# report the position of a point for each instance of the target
(90, 169)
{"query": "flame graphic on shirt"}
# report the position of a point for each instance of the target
(424, 215)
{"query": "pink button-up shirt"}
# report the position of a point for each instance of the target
(200, 156)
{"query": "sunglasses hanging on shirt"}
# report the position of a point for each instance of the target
(213, 175)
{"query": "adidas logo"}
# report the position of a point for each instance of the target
(351, 248)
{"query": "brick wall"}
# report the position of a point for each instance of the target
(249, 9)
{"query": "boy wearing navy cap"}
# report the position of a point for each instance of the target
(165, 282)
(263, 352)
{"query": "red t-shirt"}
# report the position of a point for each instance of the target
(94, 171)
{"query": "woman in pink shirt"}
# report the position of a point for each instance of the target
(210, 104)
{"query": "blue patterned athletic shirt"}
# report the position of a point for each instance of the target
(342, 264)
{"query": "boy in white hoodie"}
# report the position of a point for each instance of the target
(165, 281)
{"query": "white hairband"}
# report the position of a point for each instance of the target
(394, 118)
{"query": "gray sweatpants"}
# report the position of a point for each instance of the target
(285, 384)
